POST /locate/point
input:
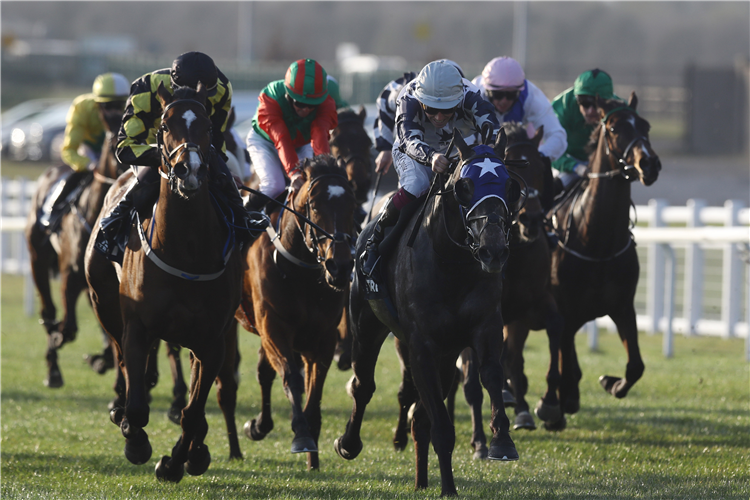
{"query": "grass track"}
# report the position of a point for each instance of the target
(682, 432)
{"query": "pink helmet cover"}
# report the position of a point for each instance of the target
(503, 73)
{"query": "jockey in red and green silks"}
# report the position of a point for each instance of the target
(578, 117)
(292, 122)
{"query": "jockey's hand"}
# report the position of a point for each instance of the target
(581, 170)
(297, 180)
(440, 163)
(383, 162)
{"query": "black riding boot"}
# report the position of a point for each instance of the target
(371, 255)
(57, 206)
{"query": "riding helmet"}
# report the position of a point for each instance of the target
(193, 67)
(110, 87)
(307, 82)
(439, 85)
(503, 73)
(594, 82)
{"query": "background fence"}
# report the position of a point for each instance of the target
(694, 278)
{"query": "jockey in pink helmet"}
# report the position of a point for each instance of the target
(516, 99)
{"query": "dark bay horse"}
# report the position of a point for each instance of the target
(350, 142)
(444, 295)
(294, 289)
(180, 281)
(63, 249)
(595, 268)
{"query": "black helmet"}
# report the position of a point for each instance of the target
(193, 67)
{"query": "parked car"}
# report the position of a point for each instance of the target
(20, 112)
(39, 137)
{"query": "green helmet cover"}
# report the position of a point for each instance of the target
(594, 82)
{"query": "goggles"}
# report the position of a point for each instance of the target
(586, 101)
(434, 111)
(497, 95)
(300, 105)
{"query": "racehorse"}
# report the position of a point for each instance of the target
(180, 281)
(350, 141)
(444, 284)
(63, 248)
(293, 293)
(595, 267)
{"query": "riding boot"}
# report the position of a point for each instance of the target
(388, 218)
(59, 202)
(141, 196)
(256, 202)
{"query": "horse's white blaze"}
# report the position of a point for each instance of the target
(189, 117)
(335, 191)
(194, 160)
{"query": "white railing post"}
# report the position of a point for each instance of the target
(731, 288)
(655, 273)
(593, 332)
(694, 260)
(668, 339)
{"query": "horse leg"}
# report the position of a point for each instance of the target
(343, 353)
(257, 428)
(190, 454)
(420, 433)
(368, 337)
(407, 397)
(491, 374)
(514, 343)
(73, 283)
(226, 390)
(570, 371)
(474, 398)
(628, 331)
(432, 380)
(135, 352)
(548, 408)
(316, 370)
(179, 389)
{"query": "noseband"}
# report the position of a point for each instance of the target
(629, 172)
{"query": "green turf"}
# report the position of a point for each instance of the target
(682, 432)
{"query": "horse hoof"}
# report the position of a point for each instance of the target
(99, 363)
(547, 413)
(165, 473)
(116, 414)
(400, 442)
(524, 420)
(481, 452)
(556, 426)
(198, 461)
(138, 448)
(55, 340)
(344, 453)
(253, 430)
(304, 445)
(571, 406)
(175, 414)
(504, 451)
(54, 379)
(509, 401)
(616, 386)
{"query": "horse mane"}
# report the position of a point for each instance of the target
(607, 105)
(515, 132)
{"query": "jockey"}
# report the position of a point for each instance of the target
(516, 99)
(84, 137)
(428, 108)
(137, 136)
(292, 122)
(577, 113)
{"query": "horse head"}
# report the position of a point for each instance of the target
(626, 140)
(109, 166)
(328, 201)
(351, 145)
(487, 196)
(184, 139)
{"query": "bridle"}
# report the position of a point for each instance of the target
(173, 160)
(629, 172)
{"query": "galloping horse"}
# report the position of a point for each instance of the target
(180, 281)
(63, 249)
(293, 293)
(443, 295)
(595, 269)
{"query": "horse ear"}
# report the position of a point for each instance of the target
(200, 92)
(362, 114)
(538, 136)
(463, 191)
(500, 142)
(633, 102)
(486, 133)
(512, 191)
(163, 95)
(464, 150)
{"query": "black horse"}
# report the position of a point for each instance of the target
(595, 268)
(442, 295)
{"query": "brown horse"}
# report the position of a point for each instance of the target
(180, 281)
(293, 294)
(63, 249)
(595, 268)
(443, 295)
(350, 142)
